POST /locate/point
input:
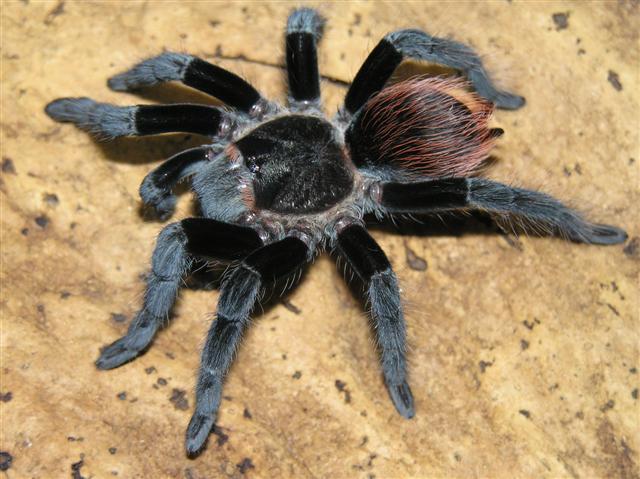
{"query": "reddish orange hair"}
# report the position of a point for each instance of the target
(432, 127)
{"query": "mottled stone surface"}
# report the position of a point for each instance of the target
(524, 358)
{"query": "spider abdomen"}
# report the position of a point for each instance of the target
(427, 127)
(298, 165)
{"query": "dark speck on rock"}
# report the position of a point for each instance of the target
(55, 12)
(525, 413)
(76, 468)
(222, 437)
(632, 247)
(122, 396)
(162, 382)
(64, 294)
(608, 405)
(8, 166)
(297, 375)
(247, 414)
(414, 261)
(5, 460)
(51, 199)
(42, 221)
(118, 317)
(113, 450)
(561, 20)
(531, 324)
(524, 344)
(613, 309)
(342, 387)
(24, 231)
(179, 400)
(484, 365)
(633, 370)
(150, 369)
(614, 79)
(634, 393)
(245, 465)
(6, 397)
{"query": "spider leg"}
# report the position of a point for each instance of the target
(156, 188)
(177, 246)
(110, 121)
(304, 30)
(193, 72)
(418, 45)
(367, 259)
(238, 296)
(534, 211)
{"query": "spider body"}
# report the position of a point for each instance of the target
(290, 175)
(278, 184)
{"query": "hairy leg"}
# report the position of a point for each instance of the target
(304, 30)
(530, 210)
(370, 263)
(418, 45)
(193, 72)
(238, 297)
(110, 121)
(156, 189)
(177, 245)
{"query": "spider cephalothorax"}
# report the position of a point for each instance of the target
(277, 184)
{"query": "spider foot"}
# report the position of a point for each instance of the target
(197, 433)
(116, 354)
(509, 101)
(160, 200)
(162, 207)
(72, 110)
(402, 399)
(605, 235)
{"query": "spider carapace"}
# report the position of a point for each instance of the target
(276, 184)
(298, 165)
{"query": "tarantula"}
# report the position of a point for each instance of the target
(277, 184)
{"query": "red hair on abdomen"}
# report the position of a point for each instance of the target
(427, 127)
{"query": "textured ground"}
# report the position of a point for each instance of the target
(524, 359)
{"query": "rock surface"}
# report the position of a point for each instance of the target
(524, 352)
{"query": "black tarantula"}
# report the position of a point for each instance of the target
(277, 184)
